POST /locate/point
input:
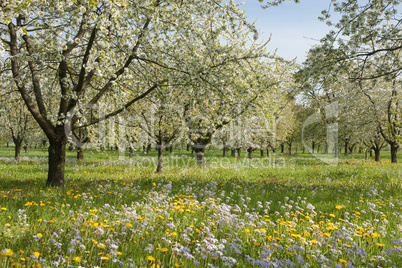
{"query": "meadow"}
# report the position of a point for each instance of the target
(280, 211)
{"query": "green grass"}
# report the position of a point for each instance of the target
(112, 209)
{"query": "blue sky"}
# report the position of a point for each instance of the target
(293, 26)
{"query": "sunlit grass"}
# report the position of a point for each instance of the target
(114, 212)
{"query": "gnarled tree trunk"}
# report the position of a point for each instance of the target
(250, 153)
(80, 152)
(18, 146)
(238, 152)
(394, 152)
(57, 158)
(377, 154)
(159, 168)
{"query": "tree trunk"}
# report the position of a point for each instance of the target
(326, 147)
(26, 148)
(233, 152)
(148, 148)
(188, 147)
(366, 155)
(290, 148)
(80, 152)
(377, 154)
(313, 146)
(57, 159)
(394, 152)
(224, 151)
(8, 144)
(318, 148)
(268, 152)
(18, 147)
(346, 147)
(250, 153)
(199, 155)
(238, 152)
(282, 148)
(159, 168)
(170, 148)
(262, 152)
(371, 153)
(131, 152)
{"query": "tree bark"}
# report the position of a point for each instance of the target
(199, 154)
(224, 151)
(313, 146)
(80, 152)
(18, 147)
(57, 158)
(131, 152)
(170, 148)
(282, 148)
(290, 148)
(371, 153)
(377, 154)
(366, 155)
(233, 152)
(268, 152)
(148, 148)
(346, 147)
(238, 152)
(159, 168)
(26, 148)
(250, 153)
(262, 152)
(326, 147)
(394, 152)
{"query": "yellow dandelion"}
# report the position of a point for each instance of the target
(36, 254)
(246, 230)
(7, 252)
(375, 235)
(77, 259)
(150, 258)
(342, 261)
(100, 245)
(338, 206)
(164, 250)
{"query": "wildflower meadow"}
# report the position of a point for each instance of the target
(292, 212)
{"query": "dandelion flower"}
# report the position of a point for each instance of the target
(150, 258)
(342, 261)
(6, 252)
(36, 254)
(100, 245)
(77, 259)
